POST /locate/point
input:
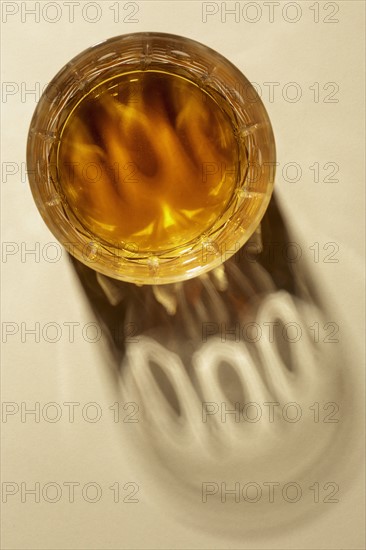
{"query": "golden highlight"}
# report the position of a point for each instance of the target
(147, 157)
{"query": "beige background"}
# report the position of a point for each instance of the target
(306, 131)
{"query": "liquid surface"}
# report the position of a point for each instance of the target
(147, 158)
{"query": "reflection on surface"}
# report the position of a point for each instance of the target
(148, 158)
(245, 405)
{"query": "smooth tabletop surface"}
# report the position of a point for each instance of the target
(114, 484)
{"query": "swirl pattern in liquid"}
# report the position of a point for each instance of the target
(147, 158)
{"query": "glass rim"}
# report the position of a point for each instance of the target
(228, 234)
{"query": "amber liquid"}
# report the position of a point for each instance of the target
(147, 158)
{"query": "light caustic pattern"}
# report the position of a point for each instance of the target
(188, 433)
(149, 158)
(204, 426)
